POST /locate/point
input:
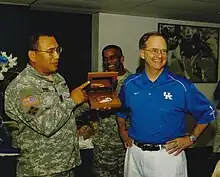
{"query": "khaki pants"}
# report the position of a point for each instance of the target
(140, 163)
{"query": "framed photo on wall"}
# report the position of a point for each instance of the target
(192, 51)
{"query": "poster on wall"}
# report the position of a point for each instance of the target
(192, 51)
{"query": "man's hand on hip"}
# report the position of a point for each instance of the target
(177, 145)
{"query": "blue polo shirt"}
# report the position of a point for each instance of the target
(157, 109)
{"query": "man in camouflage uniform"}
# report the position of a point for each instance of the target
(38, 99)
(109, 150)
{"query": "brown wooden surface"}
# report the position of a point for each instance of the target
(95, 104)
(104, 81)
(92, 75)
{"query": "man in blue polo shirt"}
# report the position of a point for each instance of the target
(156, 102)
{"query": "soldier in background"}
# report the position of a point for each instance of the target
(38, 99)
(109, 151)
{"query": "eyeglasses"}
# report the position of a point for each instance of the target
(156, 51)
(51, 51)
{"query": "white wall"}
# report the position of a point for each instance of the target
(125, 31)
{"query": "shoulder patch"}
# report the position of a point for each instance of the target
(30, 101)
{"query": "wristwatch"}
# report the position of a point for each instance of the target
(193, 138)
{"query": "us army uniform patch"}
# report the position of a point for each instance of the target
(30, 102)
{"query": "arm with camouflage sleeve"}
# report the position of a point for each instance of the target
(79, 110)
(22, 103)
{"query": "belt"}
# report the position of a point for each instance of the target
(149, 147)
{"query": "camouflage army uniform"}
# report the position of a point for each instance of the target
(216, 142)
(109, 151)
(45, 115)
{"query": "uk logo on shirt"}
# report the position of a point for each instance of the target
(167, 96)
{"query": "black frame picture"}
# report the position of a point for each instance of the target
(193, 51)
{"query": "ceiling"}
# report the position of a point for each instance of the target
(195, 10)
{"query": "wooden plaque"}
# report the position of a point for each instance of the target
(101, 91)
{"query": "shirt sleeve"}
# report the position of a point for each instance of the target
(123, 111)
(25, 105)
(199, 106)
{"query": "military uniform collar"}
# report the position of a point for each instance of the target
(124, 75)
(56, 77)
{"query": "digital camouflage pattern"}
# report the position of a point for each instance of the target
(109, 151)
(69, 173)
(45, 116)
(216, 142)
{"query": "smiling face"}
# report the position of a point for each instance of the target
(112, 60)
(155, 53)
(45, 58)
